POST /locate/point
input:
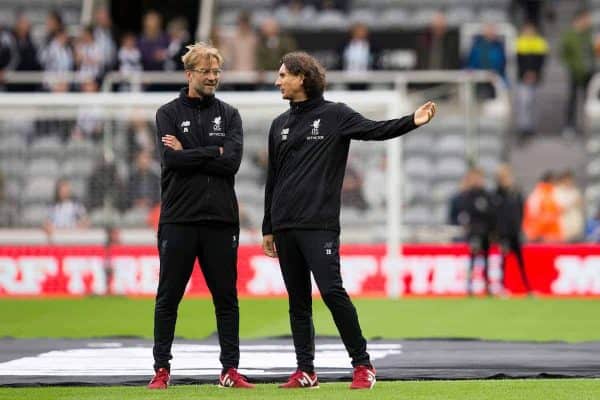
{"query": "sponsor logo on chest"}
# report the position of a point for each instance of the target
(284, 134)
(186, 126)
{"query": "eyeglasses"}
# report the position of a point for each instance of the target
(204, 71)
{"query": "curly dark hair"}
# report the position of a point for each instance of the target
(301, 63)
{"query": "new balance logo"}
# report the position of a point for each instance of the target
(226, 381)
(371, 377)
(306, 381)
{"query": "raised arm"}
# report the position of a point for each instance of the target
(355, 126)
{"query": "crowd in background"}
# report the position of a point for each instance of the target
(553, 212)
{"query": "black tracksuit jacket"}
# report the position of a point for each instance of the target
(509, 206)
(197, 182)
(308, 150)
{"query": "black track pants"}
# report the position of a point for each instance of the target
(300, 253)
(216, 250)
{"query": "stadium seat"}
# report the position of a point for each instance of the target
(364, 15)
(34, 215)
(81, 148)
(417, 215)
(394, 17)
(494, 15)
(38, 189)
(417, 144)
(46, 167)
(12, 144)
(443, 190)
(49, 146)
(450, 145)
(450, 168)
(135, 217)
(459, 15)
(78, 167)
(418, 167)
(417, 191)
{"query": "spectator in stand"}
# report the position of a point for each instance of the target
(261, 160)
(272, 46)
(541, 222)
(179, 38)
(104, 36)
(341, 5)
(105, 187)
(153, 43)
(570, 202)
(436, 49)
(140, 136)
(374, 184)
(352, 195)
(88, 56)
(531, 53)
(8, 54)
(54, 25)
(27, 51)
(359, 54)
(66, 212)
(90, 119)
(532, 10)
(577, 53)
(487, 53)
(8, 211)
(130, 61)
(57, 60)
(239, 50)
(144, 183)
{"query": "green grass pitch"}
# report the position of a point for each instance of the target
(538, 319)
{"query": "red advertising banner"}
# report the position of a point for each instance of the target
(424, 270)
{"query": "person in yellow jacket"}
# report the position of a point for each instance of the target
(531, 53)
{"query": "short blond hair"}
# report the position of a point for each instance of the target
(200, 51)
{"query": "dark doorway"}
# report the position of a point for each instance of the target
(127, 15)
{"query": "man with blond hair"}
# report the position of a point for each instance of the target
(200, 145)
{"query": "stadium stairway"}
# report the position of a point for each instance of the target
(549, 150)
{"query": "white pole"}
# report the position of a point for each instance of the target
(394, 204)
(205, 16)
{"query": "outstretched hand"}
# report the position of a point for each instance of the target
(425, 113)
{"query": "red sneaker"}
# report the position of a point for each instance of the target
(363, 377)
(301, 379)
(160, 380)
(233, 379)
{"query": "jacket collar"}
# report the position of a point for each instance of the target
(195, 102)
(306, 105)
